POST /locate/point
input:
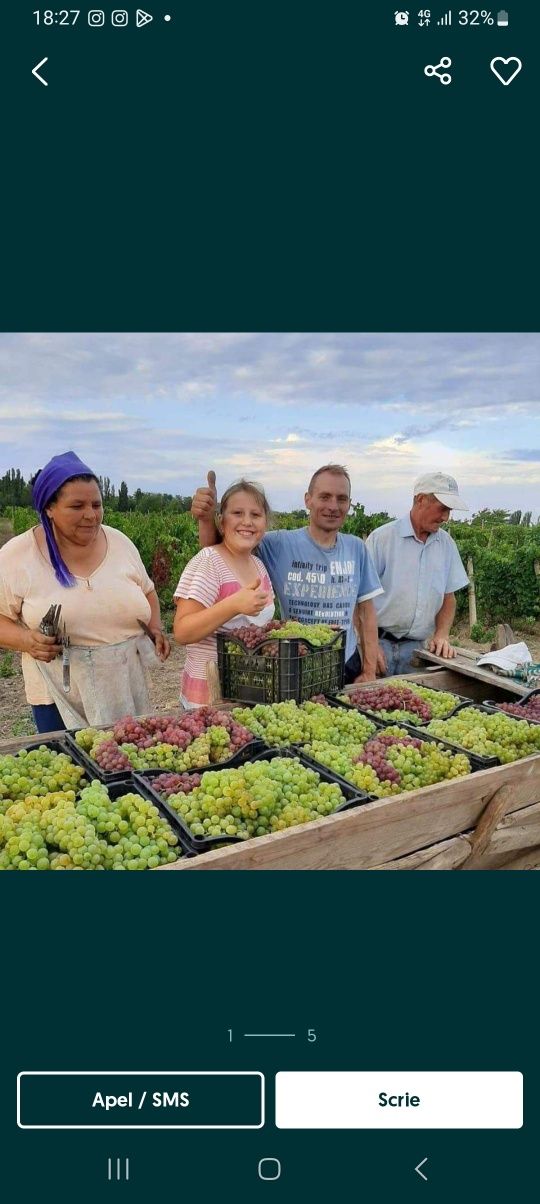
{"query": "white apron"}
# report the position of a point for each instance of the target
(106, 682)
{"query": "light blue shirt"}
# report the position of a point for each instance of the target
(415, 577)
(319, 585)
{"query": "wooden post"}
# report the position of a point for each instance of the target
(503, 637)
(472, 594)
(490, 818)
(537, 571)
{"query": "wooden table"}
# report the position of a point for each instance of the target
(492, 683)
(488, 820)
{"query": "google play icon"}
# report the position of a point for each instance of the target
(143, 18)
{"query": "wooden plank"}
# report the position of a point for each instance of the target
(13, 746)
(446, 854)
(380, 831)
(517, 832)
(468, 668)
(512, 861)
(451, 679)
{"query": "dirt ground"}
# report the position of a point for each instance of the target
(531, 638)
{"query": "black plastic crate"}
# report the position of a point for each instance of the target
(59, 746)
(258, 676)
(477, 762)
(94, 770)
(488, 704)
(525, 698)
(491, 708)
(128, 785)
(120, 775)
(463, 701)
(132, 786)
(203, 844)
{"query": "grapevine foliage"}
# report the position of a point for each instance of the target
(503, 555)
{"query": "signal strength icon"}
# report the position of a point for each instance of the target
(447, 19)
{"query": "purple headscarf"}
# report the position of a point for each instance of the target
(55, 474)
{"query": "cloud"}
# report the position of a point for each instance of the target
(155, 409)
(523, 454)
(420, 373)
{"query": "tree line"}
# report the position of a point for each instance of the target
(16, 491)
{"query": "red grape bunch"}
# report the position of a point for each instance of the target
(110, 757)
(391, 703)
(526, 710)
(164, 739)
(375, 751)
(176, 783)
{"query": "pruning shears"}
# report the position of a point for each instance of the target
(50, 625)
(50, 622)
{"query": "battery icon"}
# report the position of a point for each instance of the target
(502, 17)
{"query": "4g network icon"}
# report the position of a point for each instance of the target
(401, 17)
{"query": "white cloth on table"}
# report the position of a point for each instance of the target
(507, 658)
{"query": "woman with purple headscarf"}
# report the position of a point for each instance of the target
(97, 576)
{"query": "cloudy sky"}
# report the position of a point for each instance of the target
(157, 410)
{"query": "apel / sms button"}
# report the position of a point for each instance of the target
(142, 1099)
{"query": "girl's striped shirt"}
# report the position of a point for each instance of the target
(208, 579)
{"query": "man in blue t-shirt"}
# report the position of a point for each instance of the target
(318, 574)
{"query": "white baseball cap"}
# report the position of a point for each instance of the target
(444, 487)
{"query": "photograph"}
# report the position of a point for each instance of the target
(269, 601)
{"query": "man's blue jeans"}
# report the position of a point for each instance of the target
(398, 659)
(399, 655)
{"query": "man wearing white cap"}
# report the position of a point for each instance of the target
(420, 569)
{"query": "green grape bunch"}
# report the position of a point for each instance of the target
(38, 772)
(283, 723)
(257, 798)
(89, 831)
(391, 762)
(487, 735)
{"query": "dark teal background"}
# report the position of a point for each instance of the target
(395, 971)
(269, 166)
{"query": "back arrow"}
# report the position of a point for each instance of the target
(419, 1172)
(35, 71)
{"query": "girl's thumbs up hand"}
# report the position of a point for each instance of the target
(251, 599)
(204, 501)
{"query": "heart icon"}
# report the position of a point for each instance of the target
(509, 63)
